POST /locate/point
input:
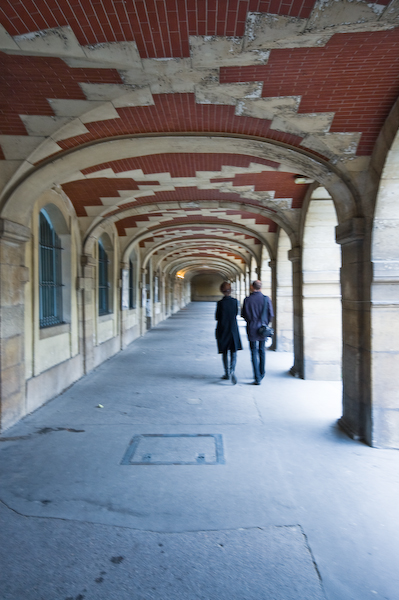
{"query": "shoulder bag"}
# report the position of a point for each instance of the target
(264, 330)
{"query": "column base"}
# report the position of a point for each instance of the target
(343, 425)
(294, 372)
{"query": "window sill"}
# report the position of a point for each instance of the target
(107, 317)
(47, 332)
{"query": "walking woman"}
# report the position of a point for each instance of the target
(227, 334)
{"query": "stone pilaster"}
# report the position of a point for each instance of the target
(13, 275)
(295, 256)
(355, 419)
(86, 286)
(273, 264)
(385, 354)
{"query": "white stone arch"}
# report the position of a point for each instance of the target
(193, 242)
(47, 348)
(234, 228)
(30, 180)
(384, 335)
(105, 327)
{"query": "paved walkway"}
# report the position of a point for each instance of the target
(268, 499)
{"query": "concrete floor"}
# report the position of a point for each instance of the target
(293, 510)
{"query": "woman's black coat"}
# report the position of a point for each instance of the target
(227, 334)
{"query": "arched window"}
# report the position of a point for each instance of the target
(50, 273)
(103, 280)
(132, 285)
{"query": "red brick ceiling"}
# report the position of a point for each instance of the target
(160, 28)
(354, 75)
(88, 192)
(179, 113)
(131, 222)
(179, 164)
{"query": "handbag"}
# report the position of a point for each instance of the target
(264, 330)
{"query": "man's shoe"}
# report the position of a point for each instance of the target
(256, 382)
(233, 378)
(226, 376)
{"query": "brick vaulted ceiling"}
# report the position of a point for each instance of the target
(317, 77)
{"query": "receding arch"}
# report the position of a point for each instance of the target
(195, 249)
(194, 241)
(16, 202)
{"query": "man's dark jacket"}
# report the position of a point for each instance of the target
(227, 334)
(252, 312)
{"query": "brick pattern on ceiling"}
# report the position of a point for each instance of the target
(192, 232)
(203, 252)
(27, 82)
(203, 220)
(180, 164)
(190, 236)
(356, 76)
(179, 113)
(195, 249)
(283, 184)
(88, 192)
(160, 28)
(198, 219)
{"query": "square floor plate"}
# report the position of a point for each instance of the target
(175, 449)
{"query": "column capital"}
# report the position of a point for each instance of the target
(350, 231)
(87, 260)
(294, 255)
(14, 232)
(272, 263)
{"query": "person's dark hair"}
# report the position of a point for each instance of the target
(257, 285)
(225, 286)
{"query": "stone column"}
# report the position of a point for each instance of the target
(295, 256)
(86, 286)
(124, 308)
(272, 265)
(322, 319)
(143, 301)
(284, 303)
(355, 330)
(14, 274)
(385, 354)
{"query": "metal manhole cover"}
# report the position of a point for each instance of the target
(175, 449)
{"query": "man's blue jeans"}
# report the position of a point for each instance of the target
(258, 355)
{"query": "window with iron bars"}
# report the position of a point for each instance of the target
(132, 286)
(103, 282)
(50, 274)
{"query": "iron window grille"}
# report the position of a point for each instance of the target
(103, 282)
(132, 287)
(50, 273)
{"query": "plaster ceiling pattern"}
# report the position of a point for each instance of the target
(318, 77)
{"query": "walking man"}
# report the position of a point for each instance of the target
(227, 334)
(252, 312)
